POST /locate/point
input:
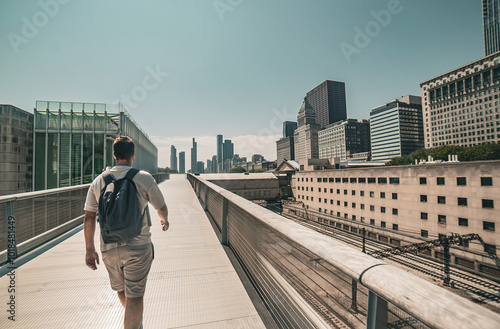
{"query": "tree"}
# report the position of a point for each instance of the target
(258, 170)
(487, 151)
(238, 170)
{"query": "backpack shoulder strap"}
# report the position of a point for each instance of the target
(108, 178)
(131, 173)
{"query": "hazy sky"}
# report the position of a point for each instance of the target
(198, 68)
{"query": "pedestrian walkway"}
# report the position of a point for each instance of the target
(192, 283)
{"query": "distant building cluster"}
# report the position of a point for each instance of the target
(459, 107)
(339, 179)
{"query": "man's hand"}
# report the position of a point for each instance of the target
(91, 257)
(88, 230)
(164, 224)
(163, 213)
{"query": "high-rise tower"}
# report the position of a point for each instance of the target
(173, 158)
(194, 157)
(491, 26)
(328, 102)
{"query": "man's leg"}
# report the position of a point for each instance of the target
(133, 313)
(122, 298)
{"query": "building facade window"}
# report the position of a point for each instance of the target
(487, 203)
(424, 233)
(461, 181)
(424, 215)
(441, 199)
(423, 180)
(463, 221)
(394, 196)
(394, 211)
(423, 198)
(395, 227)
(488, 226)
(394, 180)
(440, 180)
(462, 201)
(486, 181)
(441, 219)
(382, 224)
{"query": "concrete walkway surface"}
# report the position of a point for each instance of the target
(192, 283)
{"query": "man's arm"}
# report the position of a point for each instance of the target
(163, 213)
(91, 256)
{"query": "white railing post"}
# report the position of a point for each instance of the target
(205, 207)
(224, 222)
(377, 312)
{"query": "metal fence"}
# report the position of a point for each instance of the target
(30, 219)
(26, 216)
(308, 280)
(160, 177)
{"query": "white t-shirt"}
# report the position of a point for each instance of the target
(148, 191)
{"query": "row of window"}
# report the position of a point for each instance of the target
(486, 203)
(488, 226)
(370, 180)
(353, 192)
(461, 181)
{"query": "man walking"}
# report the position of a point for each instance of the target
(127, 262)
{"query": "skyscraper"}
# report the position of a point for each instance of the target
(289, 128)
(491, 26)
(214, 164)
(228, 150)
(396, 128)
(200, 167)
(328, 102)
(209, 166)
(285, 149)
(173, 158)
(194, 157)
(306, 134)
(344, 138)
(219, 149)
(182, 162)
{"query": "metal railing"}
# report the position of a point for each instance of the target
(160, 177)
(30, 219)
(309, 280)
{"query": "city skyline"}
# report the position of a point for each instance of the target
(164, 70)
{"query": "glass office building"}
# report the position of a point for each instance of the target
(491, 26)
(396, 128)
(73, 143)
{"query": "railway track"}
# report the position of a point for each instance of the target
(484, 290)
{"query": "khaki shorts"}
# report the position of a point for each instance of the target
(128, 267)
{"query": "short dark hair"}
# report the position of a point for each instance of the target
(123, 147)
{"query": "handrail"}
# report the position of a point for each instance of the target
(430, 304)
(31, 195)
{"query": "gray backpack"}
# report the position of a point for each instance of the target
(119, 212)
